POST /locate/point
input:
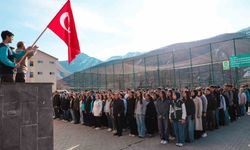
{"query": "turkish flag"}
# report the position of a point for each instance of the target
(63, 25)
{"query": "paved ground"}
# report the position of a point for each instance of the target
(68, 136)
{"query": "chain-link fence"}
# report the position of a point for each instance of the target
(185, 67)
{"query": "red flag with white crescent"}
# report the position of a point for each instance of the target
(63, 25)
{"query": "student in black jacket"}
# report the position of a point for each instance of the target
(87, 110)
(118, 112)
(131, 102)
(211, 108)
(190, 109)
(65, 105)
(150, 116)
(56, 105)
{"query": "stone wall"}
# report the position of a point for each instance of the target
(26, 116)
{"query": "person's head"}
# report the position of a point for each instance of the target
(139, 95)
(176, 96)
(116, 95)
(121, 95)
(98, 96)
(207, 91)
(186, 94)
(155, 96)
(148, 97)
(194, 93)
(7, 36)
(20, 45)
(200, 92)
(163, 95)
(241, 90)
(170, 93)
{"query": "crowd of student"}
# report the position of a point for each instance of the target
(180, 114)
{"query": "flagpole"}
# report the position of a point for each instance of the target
(39, 36)
(25, 55)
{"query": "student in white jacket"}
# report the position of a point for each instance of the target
(97, 111)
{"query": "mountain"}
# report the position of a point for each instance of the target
(82, 61)
(61, 72)
(128, 55)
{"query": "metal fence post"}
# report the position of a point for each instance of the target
(212, 63)
(191, 66)
(106, 82)
(97, 77)
(133, 83)
(158, 71)
(92, 81)
(174, 68)
(145, 71)
(236, 69)
(123, 77)
(113, 76)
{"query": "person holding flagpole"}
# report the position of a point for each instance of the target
(22, 69)
(7, 56)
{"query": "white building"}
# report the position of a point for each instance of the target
(42, 69)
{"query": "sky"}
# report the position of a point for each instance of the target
(115, 27)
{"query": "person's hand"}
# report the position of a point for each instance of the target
(183, 121)
(17, 65)
(35, 47)
(29, 48)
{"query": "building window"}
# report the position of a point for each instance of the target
(39, 73)
(52, 73)
(31, 63)
(51, 62)
(31, 75)
(40, 61)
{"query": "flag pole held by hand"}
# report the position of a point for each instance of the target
(25, 55)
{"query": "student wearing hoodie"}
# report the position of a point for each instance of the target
(177, 115)
(162, 106)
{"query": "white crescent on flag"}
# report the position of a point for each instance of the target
(62, 19)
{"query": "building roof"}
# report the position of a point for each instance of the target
(47, 54)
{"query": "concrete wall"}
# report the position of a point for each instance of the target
(26, 116)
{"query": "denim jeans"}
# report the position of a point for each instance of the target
(66, 115)
(81, 116)
(140, 120)
(110, 123)
(217, 118)
(163, 128)
(227, 117)
(242, 110)
(179, 131)
(72, 115)
(189, 129)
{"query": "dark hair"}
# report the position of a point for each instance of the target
(163, 95)
(6, 33)
(150, 97)
(178, 95)
(195, 93)
(140, 97)
(187, 95)
(20, 44)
